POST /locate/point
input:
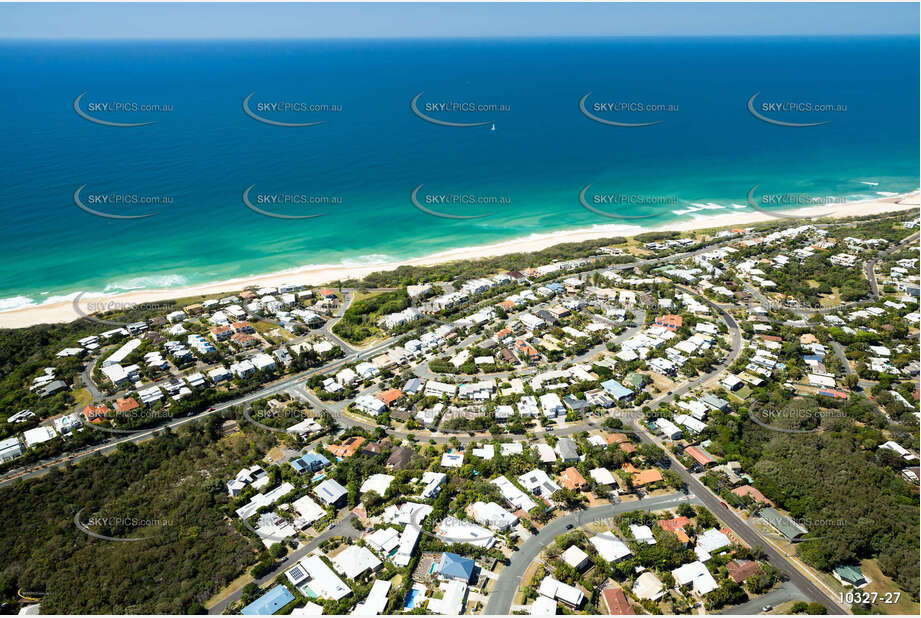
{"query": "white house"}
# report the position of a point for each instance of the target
(493, 516)
(551, 405)
(609, 547)
(370, 405)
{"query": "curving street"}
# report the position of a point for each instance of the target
(294, 385)
(342, 527)
(506, 586)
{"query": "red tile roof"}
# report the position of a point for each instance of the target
(348, 447)
(96, 414)
(571, 479)
(670, 321)
(528, 350)
(699, 455)
(616, 602)
(646, 477)
(740, 570)
(126, 404)
(220, 330)
(676, 527)
(832, 392)
(748, 490)
(390, 395)
(243, 339)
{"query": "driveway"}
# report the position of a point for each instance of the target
(500, 601)
(342, 528)
(787, 591)
(745, 532)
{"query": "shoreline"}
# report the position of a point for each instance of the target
(312, 275)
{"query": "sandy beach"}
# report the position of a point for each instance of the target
(58, 312)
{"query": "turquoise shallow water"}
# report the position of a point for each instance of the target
(371, 151)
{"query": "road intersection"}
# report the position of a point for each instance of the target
(295, 385)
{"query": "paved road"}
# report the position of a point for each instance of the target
(270, 389)
(787, 591)
(327, 327)
(343, 528)
(337, 408)
(839, 352)
(288, 384)
(744, 531)
(741, 528)
(503, 592)
(87, 377)
(869, 271)
(869, 268)
(735, 333)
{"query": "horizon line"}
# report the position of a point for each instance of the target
(468, 37)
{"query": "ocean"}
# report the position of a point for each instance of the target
(517, 173)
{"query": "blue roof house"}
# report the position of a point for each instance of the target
(309, 462)
(617, 390)
(269, 603)
(455, 567)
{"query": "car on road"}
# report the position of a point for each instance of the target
(569, 526)
(767, 608)
(724, 505)
(210, 409)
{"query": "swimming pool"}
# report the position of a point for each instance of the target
(410, 599)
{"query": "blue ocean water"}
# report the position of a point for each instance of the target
(537, 150)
